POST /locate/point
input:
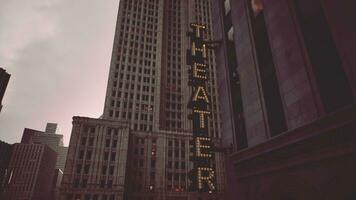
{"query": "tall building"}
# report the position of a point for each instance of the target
(31, 171)
(5, 156)
(54, 141)
(96, 161)
(287, 92)
(148, 90)
(4, 80)
(148, 87)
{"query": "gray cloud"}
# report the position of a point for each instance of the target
(58, 54)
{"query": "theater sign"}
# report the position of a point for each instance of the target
(203, 174)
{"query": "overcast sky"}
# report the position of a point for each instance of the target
(58, 54)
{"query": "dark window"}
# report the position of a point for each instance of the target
(113, 155)
(84, 140)
(79, 169)
(104, 170)
(114, 143)
(91, 141)
(86, 169)
(84, 183)
(106, 155)
(111, 170)
(107, 143)
(88, 156)
(81, 154)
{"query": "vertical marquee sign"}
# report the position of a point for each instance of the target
(203, 174)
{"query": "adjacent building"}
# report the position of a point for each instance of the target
(5, 156)
(31, 172)
(286, 76)
(4, 80)
(51, 139)
(96, 161)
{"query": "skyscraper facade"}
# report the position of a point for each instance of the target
(4, 80)
(287, 93)
(148, 87)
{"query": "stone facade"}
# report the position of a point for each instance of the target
(96, 160)
(296, 143)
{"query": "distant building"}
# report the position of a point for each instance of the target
(4, 80)
(31, 172)
(52, 128)
(5, 156)
(96, 161)
(287, 89)
(50, 138)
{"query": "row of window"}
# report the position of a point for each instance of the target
(177, 165)
(176, 176)
(92, 197)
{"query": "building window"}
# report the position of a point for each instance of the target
(113, 156)
(88, 156)
(153, 164)
(79, 169)
(114, 144)
(84, 183)
(91, 141)
(81, 154)
(103, 170)
(107, 143)
(86, 169)
(106, 155)
(84, 140)
(111, 170)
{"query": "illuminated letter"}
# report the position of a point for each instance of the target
(199, 71)
(202, 117)
(207, 177)
(202, 50)
(200, 146)
(197, 28)
(200, 94)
